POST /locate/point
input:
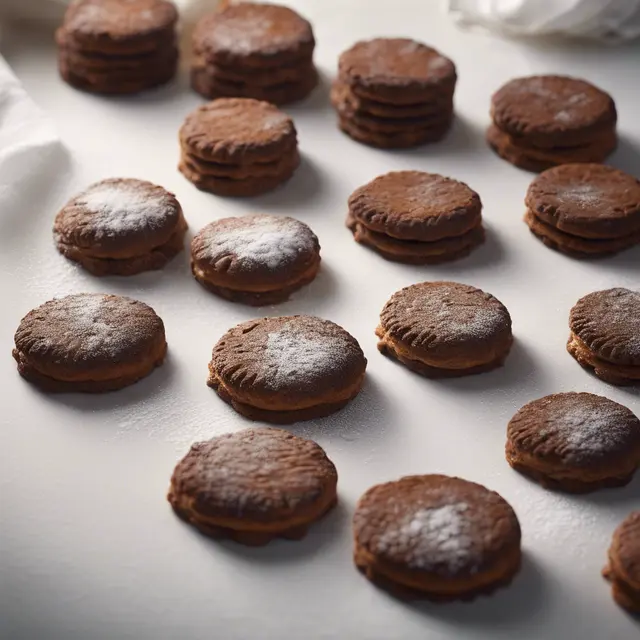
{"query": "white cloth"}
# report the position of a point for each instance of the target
(606, 20)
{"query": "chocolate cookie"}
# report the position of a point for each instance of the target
(287, 368)
(257, 259)
(243, 135)
(623, 570)
(436, 537)
(120, 226)
(605, 334)
(261, 51)
(398, 140)
(396, 71)
(414, 251)
(445, 329)
(414, 205)
(89, 343)
(254, 485)
(587, 200)
(575, 442)
(577, 246)
(118, 46)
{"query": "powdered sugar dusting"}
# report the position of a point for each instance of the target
(583, 195)
(294, 357)
(431, 537)
(127, 206)
(265, 242)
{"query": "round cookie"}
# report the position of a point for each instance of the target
(238, 131)
(535, 159)
(120, 226)
(552, 110)
(414, 205)
(253, 35)
(255, 170)
(257, 259)
(436, 537)
(445, 329)
(89, 342)
(587, 200)
(287, 368)
(403, 140)
(414, 251)
(577, 246)
(297, 72)
(605, 334)
(576, 442)
(254, 485)
(397, 71)
(123, 26)
(623, 570)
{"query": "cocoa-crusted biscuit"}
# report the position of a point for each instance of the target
(286, 369)
(587, 200)
(208, 83)
(436, 537)
(531, 158)
(89, 343)
(258, 259)
(238, 131)
(416, 251)
(623, 569)
(552, 111)
(576, 442)
(605, 334)
(402, 140)
(128, 65)
(414, 205)
(297, 72)
(253, 35)
(443, 329)
(397, 71)
(120, 226)
(577, 246)
(254, 485)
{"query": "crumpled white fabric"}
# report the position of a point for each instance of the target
(50, 12)
(605, 20)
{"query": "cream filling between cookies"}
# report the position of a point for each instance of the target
(582, 353)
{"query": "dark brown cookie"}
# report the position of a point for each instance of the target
(287, 368)
(210, 85)
(120, 226)
(404, 140)
(254, 485)
(436, 537)
(396, 71)
(89, 343)
(445, 329)
(257, 258)
(575, 442)
(552, 111)
(535, 159)
(587, 200)
(576, 246)
(415, 251)
(253, 35)
(119, 25)
(342, 94)
(623, 570)
(238, 131)
(414, 205)
(605, 334)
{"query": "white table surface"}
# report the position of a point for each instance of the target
(89, 546)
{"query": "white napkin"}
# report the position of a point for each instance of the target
(606, 20)
(27, 138)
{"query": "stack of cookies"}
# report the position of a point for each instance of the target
(543, 121)
(118, 46)
(238, 147)
(416, 217)
(248, 50)
(584, 210)
(394, 93)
